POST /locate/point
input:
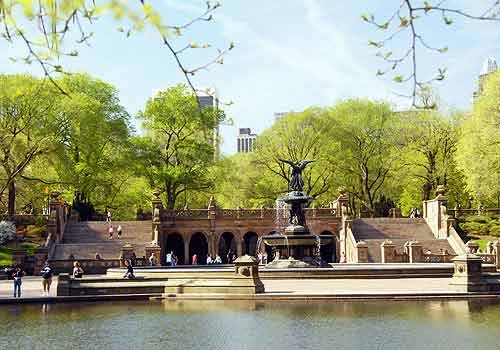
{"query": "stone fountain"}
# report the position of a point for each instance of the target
(296, 246)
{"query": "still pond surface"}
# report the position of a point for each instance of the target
(237, 325)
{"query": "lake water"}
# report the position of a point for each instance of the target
(237, 325)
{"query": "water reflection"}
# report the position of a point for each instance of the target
(252, 324)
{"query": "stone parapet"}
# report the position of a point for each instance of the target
(467, 276)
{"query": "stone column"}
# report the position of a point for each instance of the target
(187, 258)
(156, 250)
(156, 219)
(415, 252)
(342, 203)
(387, 249)
(126, 253)
(41, 255)
(496, 251)
(239, 246)
(467, 274)
(362, 253)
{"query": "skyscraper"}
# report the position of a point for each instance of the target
(245, 140)
(209, 99)
(489, 66)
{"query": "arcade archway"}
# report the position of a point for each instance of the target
(227, 243)
(198, 245)
(328, 251)
(174, 243)
(250, 240)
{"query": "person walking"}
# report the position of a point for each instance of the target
(119, 231)
(194, 260)
(108, 216)
(47, 274)
(174, 259)
(130, 269)
(218, 259)
(18, 280)
(209, 260)
(110, 231)
(77, 270)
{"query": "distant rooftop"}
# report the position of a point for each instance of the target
(489, 66)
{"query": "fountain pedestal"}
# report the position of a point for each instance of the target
(296, 246)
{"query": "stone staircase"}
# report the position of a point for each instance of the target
(84, 239)
(398, 230)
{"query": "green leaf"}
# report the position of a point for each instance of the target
(398, 78)
(403, 22)
(447, 20)
(443, 49)
(427, 6)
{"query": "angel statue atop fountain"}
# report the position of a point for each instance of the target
(296, 183)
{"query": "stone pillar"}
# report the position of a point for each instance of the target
(212, 208)
(18, 258)
(41, 255)
(156, 250)
(342, 203)
(63, 285)
(395, 212)
(126, 253)
(415, 252)
(496, 251)
(387, 250)
(362, 252)
(187, 258)
(472, 247)
(156, 219)
(467, 274)
(239, 246)
(246, 268)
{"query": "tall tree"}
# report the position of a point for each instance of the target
(368, 133)
(297, 136)
(93, 152)
(178, 147)
(28, 128)
(479, 146)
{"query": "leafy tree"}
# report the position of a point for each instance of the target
(297, 136)
(93, 147)
(369, 151)
(479, 146)
(28, 128)
(178, 147)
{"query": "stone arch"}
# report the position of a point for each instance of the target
(174, 242)
(329, 252)
(198, 244)
(227, 243)
(250, 240)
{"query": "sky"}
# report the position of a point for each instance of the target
(289, 55)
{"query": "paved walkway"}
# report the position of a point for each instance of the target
(32, 286)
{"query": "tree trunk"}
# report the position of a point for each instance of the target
(11, 206)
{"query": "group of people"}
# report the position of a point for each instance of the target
(111, 229)
(262, 257)
(211, 260)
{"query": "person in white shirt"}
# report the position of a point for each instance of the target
(169, 259)
(218, 260)
(209, 260)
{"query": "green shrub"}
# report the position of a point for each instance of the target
(479, 218)
(475, 227)
(495, 230)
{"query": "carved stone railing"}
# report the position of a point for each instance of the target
(438, 258)
(457, 212)
(240, 213)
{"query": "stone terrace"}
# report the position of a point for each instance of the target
(398, 230)
(85, 239)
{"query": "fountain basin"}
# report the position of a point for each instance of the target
(304, 240)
